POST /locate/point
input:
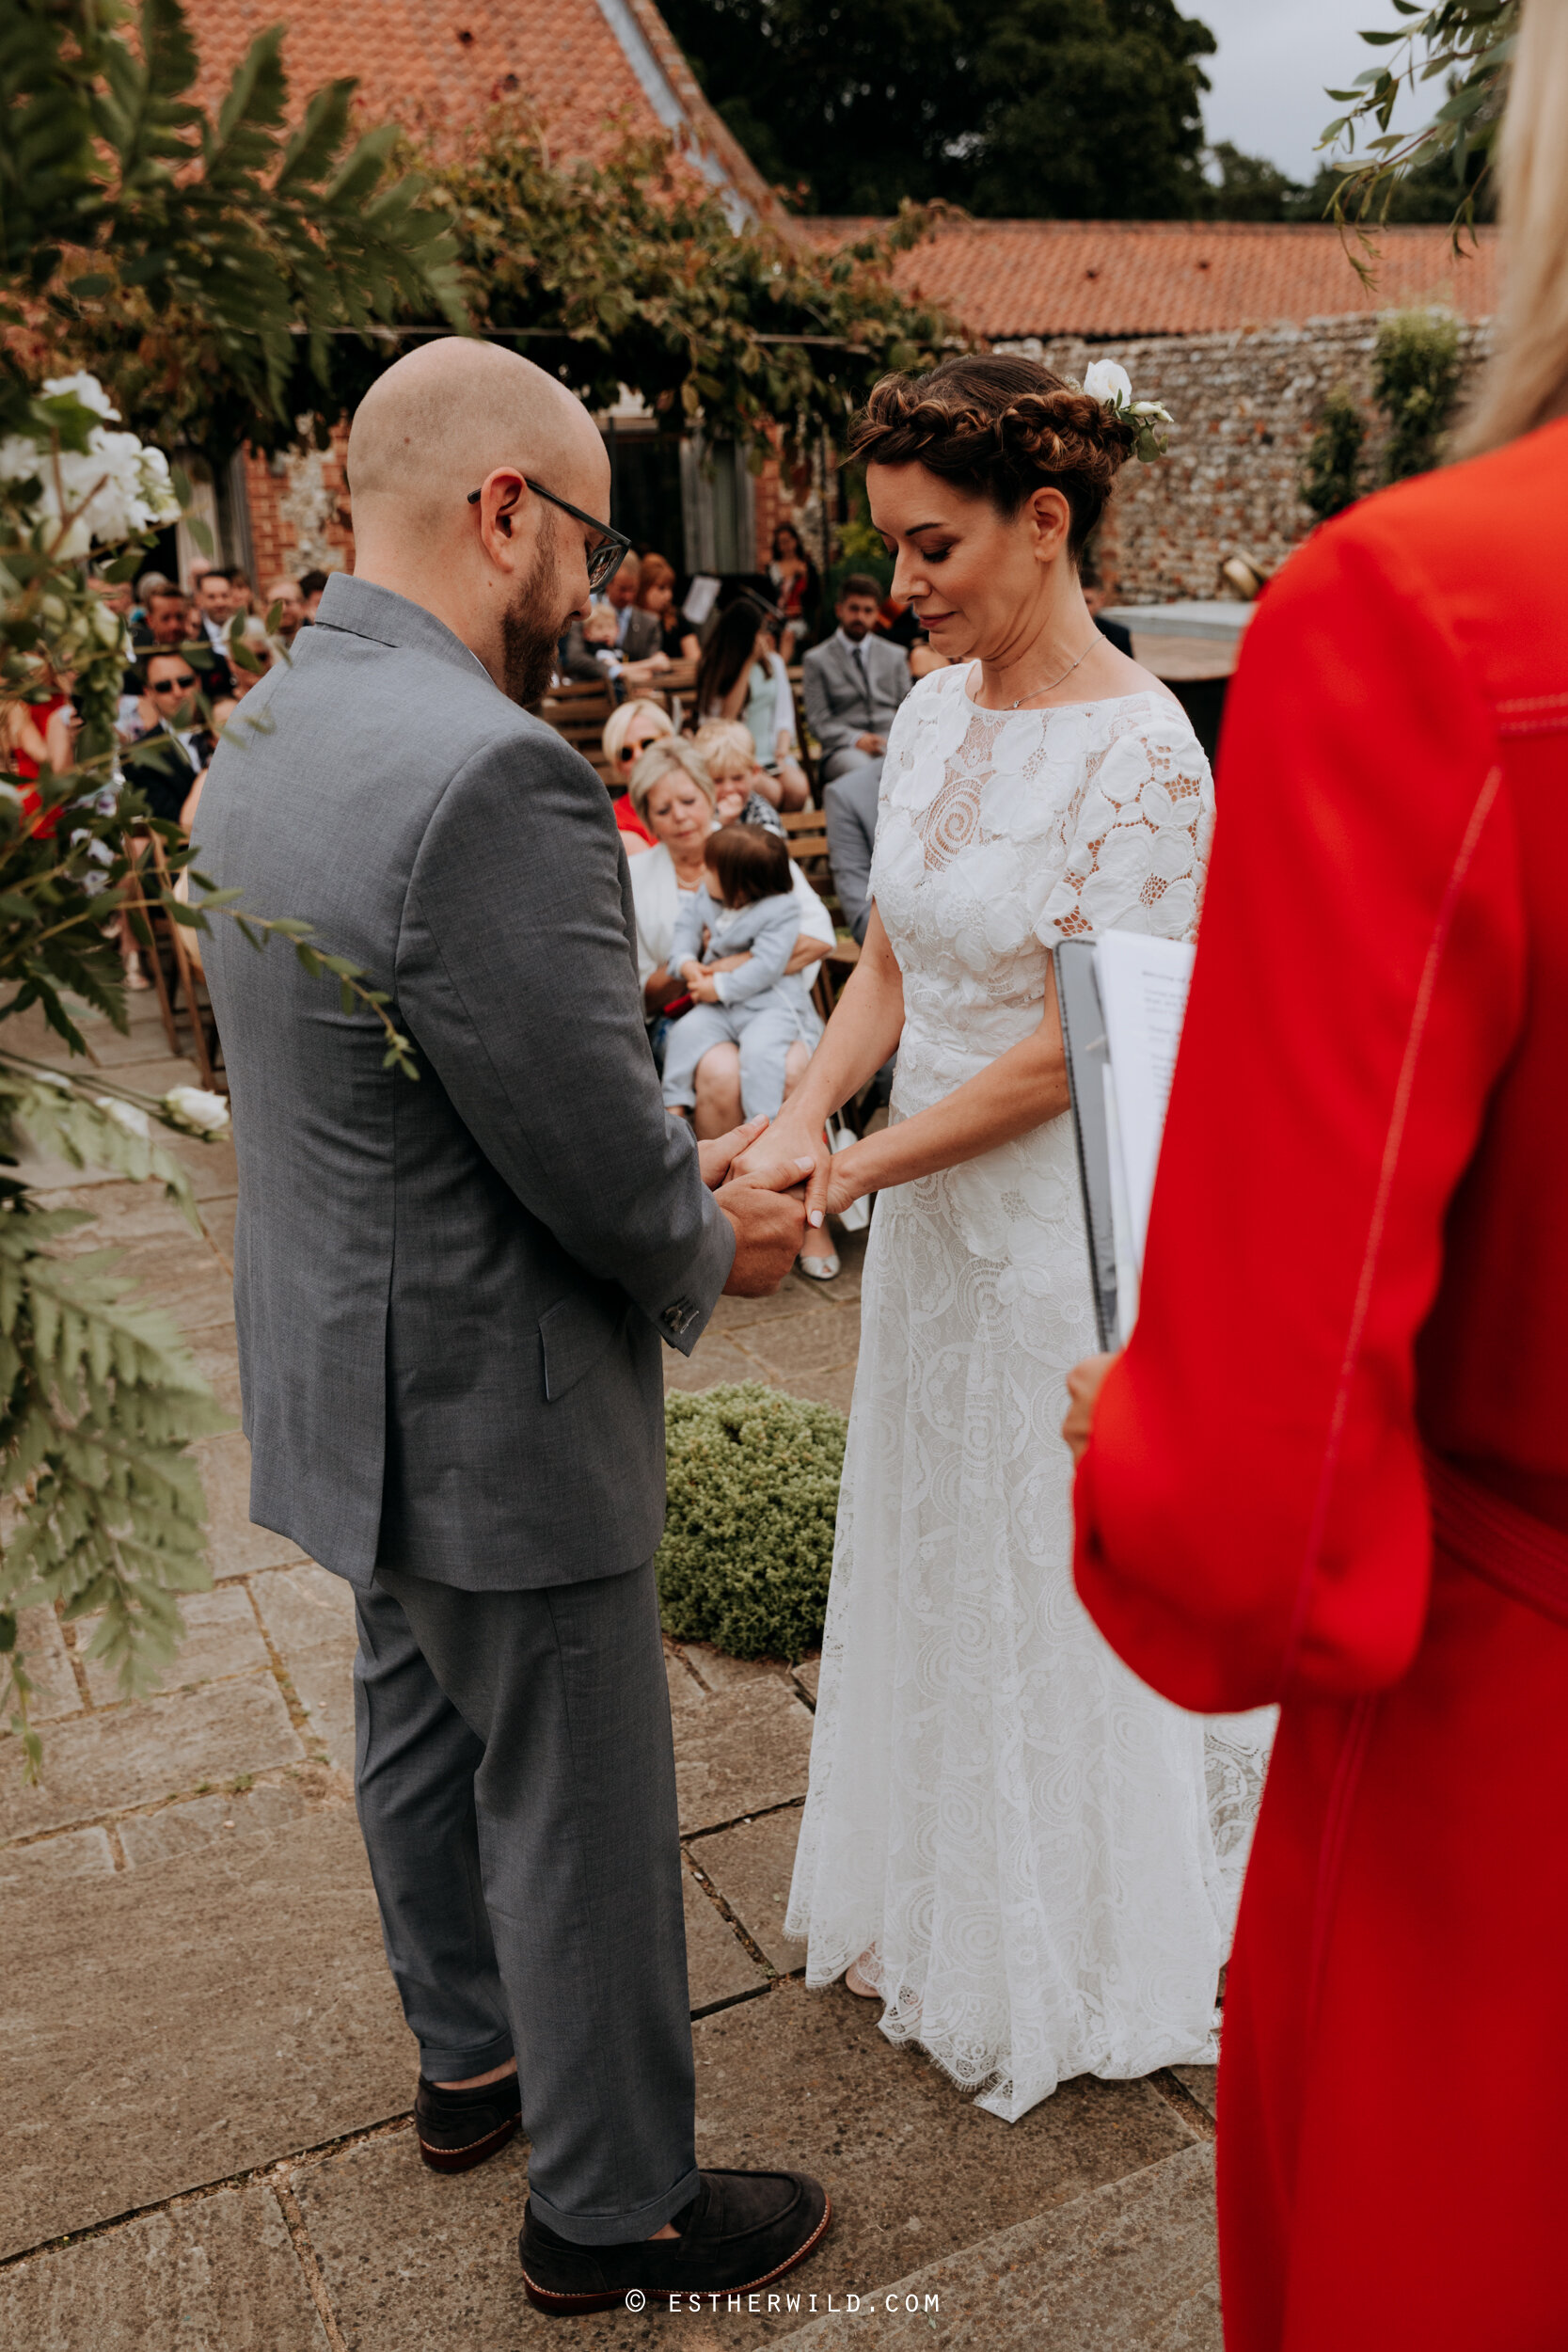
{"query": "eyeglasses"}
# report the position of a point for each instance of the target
(635, 750)
(173, 685)
(604, 560)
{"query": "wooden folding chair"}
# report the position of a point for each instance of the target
(165, 932)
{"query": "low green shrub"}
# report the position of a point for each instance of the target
(747, 1544)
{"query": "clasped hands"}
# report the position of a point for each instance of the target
(766, 1206)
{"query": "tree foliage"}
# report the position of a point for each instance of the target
(1415, 369)
(1333, 478)
(1047, 108)
(630, 272)
(177, 253)
(1467, 46)
(183, 251)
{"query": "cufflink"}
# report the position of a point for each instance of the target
(679, 1317)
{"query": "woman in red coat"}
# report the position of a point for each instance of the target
(1332, 1467)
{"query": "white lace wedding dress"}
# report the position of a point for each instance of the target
(1037, 1853)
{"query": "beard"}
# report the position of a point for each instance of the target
(531, 629)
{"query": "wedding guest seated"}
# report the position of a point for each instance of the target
(657, 594)
(743, 677)
(287, 595)
(730, 756)
(924, 658)
(854, 682)
(165, 761)
(748, 915)
(618, 635)
(850, 815)
(628, 731)
(672, 793)
(166, 616)
(797, 590)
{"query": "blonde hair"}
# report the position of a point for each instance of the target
(656, 764)
(725, 738)
(1526, 384)
(619, 723)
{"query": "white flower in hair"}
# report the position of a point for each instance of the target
(1108, 382)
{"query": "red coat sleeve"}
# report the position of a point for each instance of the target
(1251, 1514)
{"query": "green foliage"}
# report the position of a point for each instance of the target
(175, 252)
(1468, 45)
(99, 1398)
(748, 1548)
(1052, 108)
(1333, 478)
(630, 272)
(1416, 371)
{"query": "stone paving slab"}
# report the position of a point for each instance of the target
(98, 1764)
(219, 1819)
(717, 1965)
(411, 2260)
(179, 2023)
(41, 1641)
(222, 1638)
(237, 1548)
(750, 1867)
(219, 2274)
(79, 1853)
(741, 1751)
(1129, 2269)
(309, 1618)
(1201, 2081)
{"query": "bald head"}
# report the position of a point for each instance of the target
(439, 420)
(443, 456)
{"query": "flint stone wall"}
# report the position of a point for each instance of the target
(1246, 406)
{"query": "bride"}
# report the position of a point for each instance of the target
(1023, 1852)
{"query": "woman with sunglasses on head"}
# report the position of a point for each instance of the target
(627, 733)
(742, 676)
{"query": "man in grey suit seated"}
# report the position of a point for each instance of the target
(854, 682)
(451, 1293)
(638, 634)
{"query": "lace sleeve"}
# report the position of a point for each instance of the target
(1137, 832)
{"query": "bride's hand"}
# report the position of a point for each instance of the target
(786, 1144)
(1083, 1384)
(716, 1158)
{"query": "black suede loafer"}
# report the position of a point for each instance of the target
(740, 2231)
(460, 2128)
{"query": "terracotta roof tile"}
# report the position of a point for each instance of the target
(1007, 279)
(589, 67)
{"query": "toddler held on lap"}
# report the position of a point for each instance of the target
(748, 910)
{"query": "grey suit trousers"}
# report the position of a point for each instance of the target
(516, 1788)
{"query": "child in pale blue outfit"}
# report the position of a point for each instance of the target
(748, 908)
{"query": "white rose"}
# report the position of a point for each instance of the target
(127, 1115)
(84, 387)
(1107, 382)
(195, 1107)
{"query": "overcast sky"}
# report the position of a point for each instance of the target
(1274, 58)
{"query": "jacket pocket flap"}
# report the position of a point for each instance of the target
(575, 1333)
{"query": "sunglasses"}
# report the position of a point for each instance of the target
(628, 751)
(605, 559)
(174, 685)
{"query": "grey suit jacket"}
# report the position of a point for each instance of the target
(850, 813)
(643, 636)
(450, 1291)
(838, 704)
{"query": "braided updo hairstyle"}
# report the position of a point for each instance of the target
(999, 428)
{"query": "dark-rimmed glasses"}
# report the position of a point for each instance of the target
(605, 559)
(185, 685)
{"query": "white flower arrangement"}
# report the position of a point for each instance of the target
(113, 489)
(1109, 383)
(196, 1110)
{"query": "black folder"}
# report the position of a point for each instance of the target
(1089, 1056)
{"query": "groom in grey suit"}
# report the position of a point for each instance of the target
(451, 1293)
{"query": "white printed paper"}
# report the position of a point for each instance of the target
(1143, 992)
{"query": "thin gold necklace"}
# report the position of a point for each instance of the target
(1055, 682)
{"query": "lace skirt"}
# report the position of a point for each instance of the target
(1041, 1857)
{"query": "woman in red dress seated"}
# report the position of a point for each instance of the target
(1332, 1467)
